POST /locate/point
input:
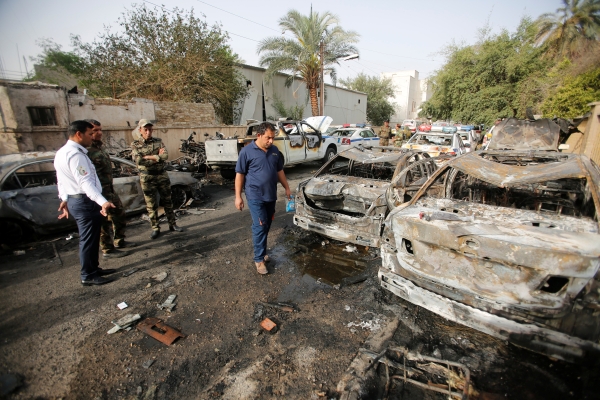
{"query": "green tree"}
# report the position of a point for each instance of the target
(66, 65)
(293, 112)
(482, 82)
(572, 30)
(379, 108)
(300, 56)
(164, 56)
(572, 98)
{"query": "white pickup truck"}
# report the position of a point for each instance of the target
(298, 142)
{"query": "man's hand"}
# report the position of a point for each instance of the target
(65, 210)
(154, 158)
(288, 193)
(105, 208)
(161, 151)
(239, 203)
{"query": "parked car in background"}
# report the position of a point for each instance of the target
(425, 127)
(505, 241)
(469, 138)
(346, 199)
(437, 126)
(345, 138)
(411, 124)
(29, 195)
(436, 144)
(298, 142)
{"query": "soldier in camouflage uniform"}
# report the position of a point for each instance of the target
(385, 132)
(150, 155)
(112, 233)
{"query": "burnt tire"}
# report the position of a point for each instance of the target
(13, 231)
(228, 174)
(179, 196)
(329, 154)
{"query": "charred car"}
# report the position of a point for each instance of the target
(346, 199)
(29, 195)
(505, 241)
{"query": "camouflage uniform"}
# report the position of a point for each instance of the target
(115, 223)
(153, 178)
(384, 135)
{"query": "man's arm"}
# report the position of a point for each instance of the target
(284, 183)
(162, 152)
(239, 184)
(144, 161)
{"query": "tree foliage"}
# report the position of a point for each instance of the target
(66, 65)
(379, 108)
(572, 98)
(164, 56)
(482, 82)
(300, 56)
(294, 112)
(572, 30)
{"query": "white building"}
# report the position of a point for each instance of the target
(345, 106)
(409, 93)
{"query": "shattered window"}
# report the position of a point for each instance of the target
(570, 197)
(30, 176)
(346, 167)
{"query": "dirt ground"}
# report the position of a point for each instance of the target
(54, 331)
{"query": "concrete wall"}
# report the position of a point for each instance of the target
(110, 112)
(16, 97)
(181, 114)
(343, 105)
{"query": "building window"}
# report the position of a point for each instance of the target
(42, 116)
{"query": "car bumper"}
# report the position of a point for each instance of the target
(535, 338)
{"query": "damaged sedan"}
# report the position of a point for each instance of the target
(505, 241)
(29, 196)
(346, 199)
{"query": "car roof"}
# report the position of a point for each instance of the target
(520, 134)
(9, 161)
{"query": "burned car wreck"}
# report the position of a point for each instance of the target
(346, 199)
(506, 242)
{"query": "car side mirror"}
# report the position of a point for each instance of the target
(467, 144)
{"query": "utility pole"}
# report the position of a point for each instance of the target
(322, 100)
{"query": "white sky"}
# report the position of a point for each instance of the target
(394, 34)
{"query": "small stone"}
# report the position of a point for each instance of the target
(139, 390)
(282, 372)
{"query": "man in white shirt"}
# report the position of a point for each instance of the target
(80, 192)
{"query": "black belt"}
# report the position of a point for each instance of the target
(77, 196)
(151, 172)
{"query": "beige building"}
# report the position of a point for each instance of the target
(343, 105)
(409, 93)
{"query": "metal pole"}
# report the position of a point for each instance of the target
(322, 105)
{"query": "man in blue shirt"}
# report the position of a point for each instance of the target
(258, 169)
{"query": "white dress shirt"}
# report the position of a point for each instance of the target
(75, 173)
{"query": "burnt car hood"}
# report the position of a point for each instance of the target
(516, 134)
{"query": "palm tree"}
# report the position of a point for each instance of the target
(572, 29)
(300, 56)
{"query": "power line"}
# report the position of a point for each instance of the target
(239, 16)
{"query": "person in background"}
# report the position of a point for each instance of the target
(150, 154)
(112, 234)
(80, 193)
(384, 134)
(258, 169)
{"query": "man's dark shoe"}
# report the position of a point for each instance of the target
(106, 271)
(154, 234)
(115, 254)
(175, 228)
(122, 244)
(95, 281)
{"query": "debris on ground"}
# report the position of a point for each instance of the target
(157, 329)
(169, 303)
(195, 212)
(160, 277)
(122, 305)
(131, 271)
(269, 325)
(148, 363)
(281, 306)
(9, 383)
(124, 323)
(19, 252)
(350, 249)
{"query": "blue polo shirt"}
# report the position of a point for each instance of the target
(261, 170)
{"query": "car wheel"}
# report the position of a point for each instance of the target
(13, 231)
(228, 173)
(179, 196)
(329, 154)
